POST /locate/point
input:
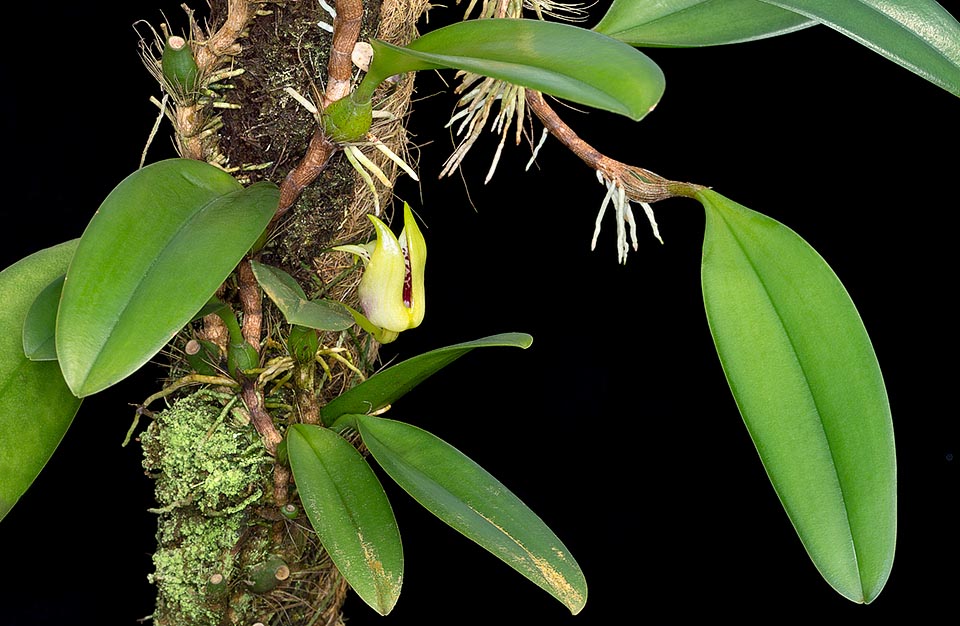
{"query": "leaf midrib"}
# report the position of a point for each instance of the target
(810, 393)
(147, 271)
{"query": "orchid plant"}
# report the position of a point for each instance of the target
(277, 376)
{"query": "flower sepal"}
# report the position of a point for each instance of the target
(391, 290)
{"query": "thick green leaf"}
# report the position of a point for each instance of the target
(40, 325)
(387, 386)
(469, 499)
(806, 379)
(920, 35)
(290, 298)
(36, 407)
(152, 256)
(688, 23)
(349, 510)
(562, 60)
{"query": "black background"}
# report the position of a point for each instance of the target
(617, 426)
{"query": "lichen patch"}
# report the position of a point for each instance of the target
(208, 469)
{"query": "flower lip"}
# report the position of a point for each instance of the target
(407, 280)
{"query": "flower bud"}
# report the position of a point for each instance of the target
(391, 290)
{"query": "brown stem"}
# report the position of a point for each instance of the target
(259, 417)
(559, 129)
(216, 331)
(281, 484)
(251, 304)
(640, 184)
(188, 124)
(263, 422)
(306, 396)
(252, 396)
(314, 162)
(210, 54)
(346, 31)
(224, 41)
(316, 159)
(252, 320)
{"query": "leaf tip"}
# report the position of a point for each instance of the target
(573, 595)
(516, 340)
(386, 584)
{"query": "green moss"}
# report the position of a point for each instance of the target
(210, 470)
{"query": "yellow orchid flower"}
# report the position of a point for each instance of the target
(391, 290)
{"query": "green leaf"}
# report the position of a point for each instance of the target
(155, 252)
(213, 306)
(387, 386)
(290, 298)
(36, 407)
(469, 499)
(349, 510)
(806, 379)
(40, 325)
(920, 35)
(676, 23)
(558, 59)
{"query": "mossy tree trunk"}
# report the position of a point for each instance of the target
(233, 545)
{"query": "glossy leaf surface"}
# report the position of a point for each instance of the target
(159, 246)
(40, 325)
(920, 35)
(290, 298)
(469, 499)
(387, 386)
(36, 407)
(805, 377)
(689, 23)
(349, 510)
(558, 59)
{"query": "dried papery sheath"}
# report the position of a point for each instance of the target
(350, 152)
